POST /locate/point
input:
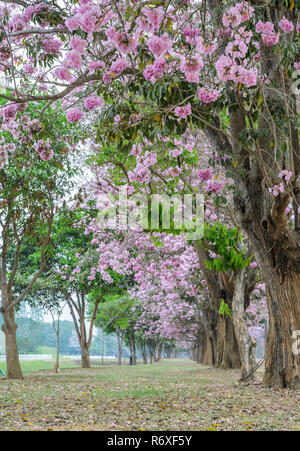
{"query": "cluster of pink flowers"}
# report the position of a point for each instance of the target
(123, 42)
(51, 46)
(208, 47)
(277, 189)
(156, 70)
(214, 187)
(183, 111)
(160, 45)
(237, 14)
(228, 70)
(286, 175)
(141, 171)
(44, 149)
(73, 59)
(19, 21)
(92, 102)
(208, 95)
(89, 18)
(286, 25)
(9, 112)
(205, 174)
(63, 73)
(154, 18)
(191, 67)
(268, 34)
(74, 115)
(116, 69)
(78, 45)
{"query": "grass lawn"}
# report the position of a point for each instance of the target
(171, 395)
(39, 365)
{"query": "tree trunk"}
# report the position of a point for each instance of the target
(227, 353)
(246, 344)
(103, 346)
(227, 356)
(13, 367)
(56, 368)
(150, 353)
(282, 368)
(209, 357)
(209, 337)
(277, 251)
(85, 356)
(133, 350)
(144, 354)
(119, 350)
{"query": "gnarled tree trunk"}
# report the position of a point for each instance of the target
(277, 250)
(228, 356)
(246, 344)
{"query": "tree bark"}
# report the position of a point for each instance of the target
(277, 252)
(56, 368)
(144, 354)
(227, 347)
(246, 344)
(119, 349)
(13, 367)
(85, 356)
(282, 367)
(220, 287)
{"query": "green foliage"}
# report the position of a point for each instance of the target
(225, 243)
(224, 310)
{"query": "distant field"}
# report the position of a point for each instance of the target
(40, 365)
(176, 395)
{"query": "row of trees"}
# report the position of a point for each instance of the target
(171, 98)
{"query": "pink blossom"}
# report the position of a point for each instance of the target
(95, 65)
(9, 112)
(208, 95)
(285, 174)
(92, 102)
(245, 10)
(118, 67)
(206, 47)
(205, 174)
(231, 17)
(51, 46)
(286, 25)
(184, 111)
(214, 187)
(72, 24)
(297, 65)
(191, 67)
(74, 115)
(154, 16)
(73, 59)
(63, 73)
(78, 45)
(224, 67)
(160, 45)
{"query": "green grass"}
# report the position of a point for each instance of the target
(173, 395)
(40, 365)
(46, 350)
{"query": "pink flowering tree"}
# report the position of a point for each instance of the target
(33, 185)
